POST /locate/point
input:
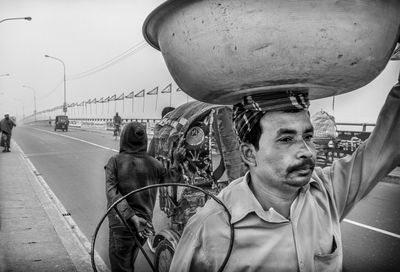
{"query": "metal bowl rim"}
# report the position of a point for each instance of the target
(149, 33)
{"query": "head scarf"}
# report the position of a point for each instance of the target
(133, 138)
(252, 108)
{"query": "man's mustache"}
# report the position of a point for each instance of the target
(305, 164)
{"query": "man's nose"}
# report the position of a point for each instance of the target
(306, 150)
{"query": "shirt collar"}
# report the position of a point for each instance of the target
(240, 190)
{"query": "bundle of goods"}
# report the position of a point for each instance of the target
(325, 137)
(324, 128)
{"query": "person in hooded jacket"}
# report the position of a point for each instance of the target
(6, 126)
(131, 169)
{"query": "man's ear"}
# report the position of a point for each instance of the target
(247, 151)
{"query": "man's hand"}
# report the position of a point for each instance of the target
(139, 223)
(142, 226)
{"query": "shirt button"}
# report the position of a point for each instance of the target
(301, 266)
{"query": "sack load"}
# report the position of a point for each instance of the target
(324, 127)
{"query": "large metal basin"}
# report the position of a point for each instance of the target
(219, 51)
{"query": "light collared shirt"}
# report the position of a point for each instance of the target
(310, 240)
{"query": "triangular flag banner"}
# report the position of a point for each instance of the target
(140, 94)
(130, 95)
(101, 100)
(113, 98)
(167, 89)
(121, 97)
(153, 92)
(179, 90)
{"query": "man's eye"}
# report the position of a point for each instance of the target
(286, 139)
(308, 137)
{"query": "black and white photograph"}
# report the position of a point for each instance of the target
(199, 135)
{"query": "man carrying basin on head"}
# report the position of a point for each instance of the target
(285, 211)
(129, 170)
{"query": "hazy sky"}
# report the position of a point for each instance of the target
(102, 45)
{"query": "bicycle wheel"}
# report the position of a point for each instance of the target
(164, 253)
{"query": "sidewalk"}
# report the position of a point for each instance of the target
(35, 233)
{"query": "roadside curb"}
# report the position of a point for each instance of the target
(73, 239)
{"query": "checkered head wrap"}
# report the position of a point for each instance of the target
(249, 112)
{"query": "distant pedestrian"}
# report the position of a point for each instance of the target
(129, 170)
(117, 121)
(6, 126)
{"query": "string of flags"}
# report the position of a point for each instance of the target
(131, 95)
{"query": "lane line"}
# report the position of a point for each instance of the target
(62, 153)
(345, 220)
(77, 139)
(372, 228)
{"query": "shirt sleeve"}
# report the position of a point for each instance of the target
(112, 190)
(204, 242)
(354, 176)
(186, 256)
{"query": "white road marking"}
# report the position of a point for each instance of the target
(77, 139)
(79, 248)
(372, 228)
(345, 220)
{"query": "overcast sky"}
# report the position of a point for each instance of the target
(102, 45)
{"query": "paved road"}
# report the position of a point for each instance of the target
(72, 165)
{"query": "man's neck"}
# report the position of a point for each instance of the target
(280, 201)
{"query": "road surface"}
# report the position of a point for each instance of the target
(72, 165)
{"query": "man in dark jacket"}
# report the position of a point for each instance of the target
(129, 170)
(6, 126)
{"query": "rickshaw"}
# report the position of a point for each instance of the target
(212, 160)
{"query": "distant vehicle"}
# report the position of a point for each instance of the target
(61, 122)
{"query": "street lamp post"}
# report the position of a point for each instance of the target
(23, 107)
(65, 85)
(34, 98)
(17, 18)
